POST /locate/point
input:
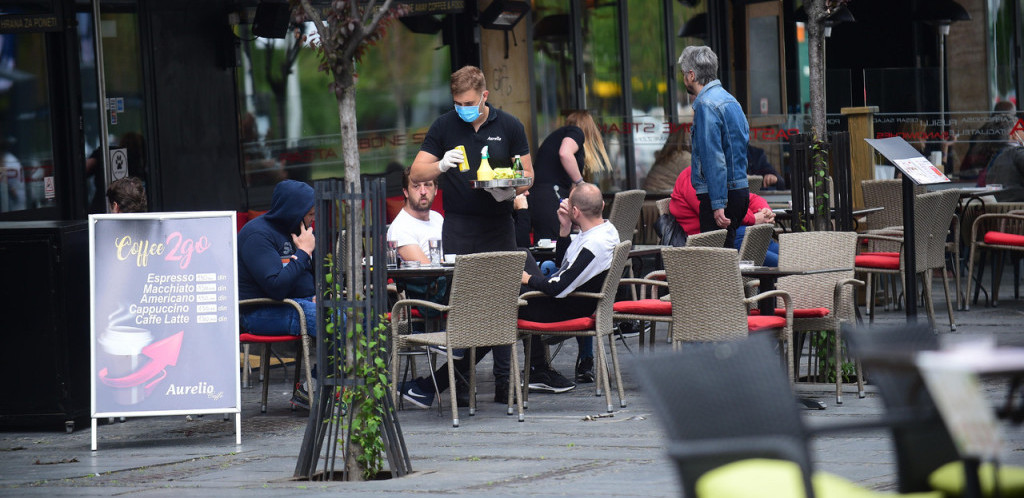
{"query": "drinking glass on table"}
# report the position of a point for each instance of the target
(436, 253)
(392, 252)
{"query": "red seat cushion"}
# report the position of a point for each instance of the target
(873, 261)
(1004, 239)
(880, 253)
(756, 322)
(798, 313)
(644, 307)
(241, 218)
(585, 323)
(247, 337)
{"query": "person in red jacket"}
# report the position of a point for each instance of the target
(684, 207)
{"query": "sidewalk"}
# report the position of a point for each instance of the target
(554, 452)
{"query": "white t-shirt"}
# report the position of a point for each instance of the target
(406, 230)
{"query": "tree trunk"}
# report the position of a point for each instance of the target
(816, 60)
(344, 78)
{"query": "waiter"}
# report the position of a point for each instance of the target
(476, 220)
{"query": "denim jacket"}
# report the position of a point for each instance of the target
(719, 136)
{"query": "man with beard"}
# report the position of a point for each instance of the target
(416, 224)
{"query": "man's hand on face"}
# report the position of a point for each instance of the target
(305, 241)
(564, 218)
(720, 219)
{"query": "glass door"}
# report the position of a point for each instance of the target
(123, 111)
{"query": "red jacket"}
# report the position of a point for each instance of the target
(684, 205)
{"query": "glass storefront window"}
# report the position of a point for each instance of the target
(26, 148)
(553, 64)
(649, 83)
(290, 124)
(602, 70)
(1002, 39)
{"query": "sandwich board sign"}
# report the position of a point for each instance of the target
(164, 301)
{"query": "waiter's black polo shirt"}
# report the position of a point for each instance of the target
(504, 137)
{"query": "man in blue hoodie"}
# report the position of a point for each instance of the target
(275, 260)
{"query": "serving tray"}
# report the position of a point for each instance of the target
(503, 182)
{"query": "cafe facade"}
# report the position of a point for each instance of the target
(210, 114)
(212, 102)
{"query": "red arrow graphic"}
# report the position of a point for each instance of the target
(161, 353)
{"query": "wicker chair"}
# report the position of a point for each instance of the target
(652, 304)
(729, 429)
(246, 339)
(971, 211)
(994, 233)
(626, 212)
(754, 183)
(889, 195)
(708, 304)
(822, 301)
(933, 213)
(926, 455)
(599, 326)
(715, 238)
(662, 205)
(755, 242)
(483, 311)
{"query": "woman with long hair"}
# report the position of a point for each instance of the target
(568, 156)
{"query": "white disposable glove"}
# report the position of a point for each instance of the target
(501, 194)
(450, 160)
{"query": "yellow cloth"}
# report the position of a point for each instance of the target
(765, 478)
(950, 480)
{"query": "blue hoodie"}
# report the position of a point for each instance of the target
(269, 264)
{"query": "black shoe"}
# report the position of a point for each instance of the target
(300, 398)
(412, 393)
(547, 380)
(584, 370)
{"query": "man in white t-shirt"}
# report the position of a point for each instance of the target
(416, 224)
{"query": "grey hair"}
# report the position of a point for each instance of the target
(702, 61)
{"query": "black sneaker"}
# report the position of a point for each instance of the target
(300, 398)
(411, 392)
(547, 380)
(584, 370)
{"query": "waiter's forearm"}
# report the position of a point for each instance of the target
(424, 167)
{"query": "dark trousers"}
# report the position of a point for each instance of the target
(735, 209)
(467, 234)
(539, 309)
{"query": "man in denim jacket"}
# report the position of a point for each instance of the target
(719, 136)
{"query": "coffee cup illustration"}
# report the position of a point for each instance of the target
(131, 363)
